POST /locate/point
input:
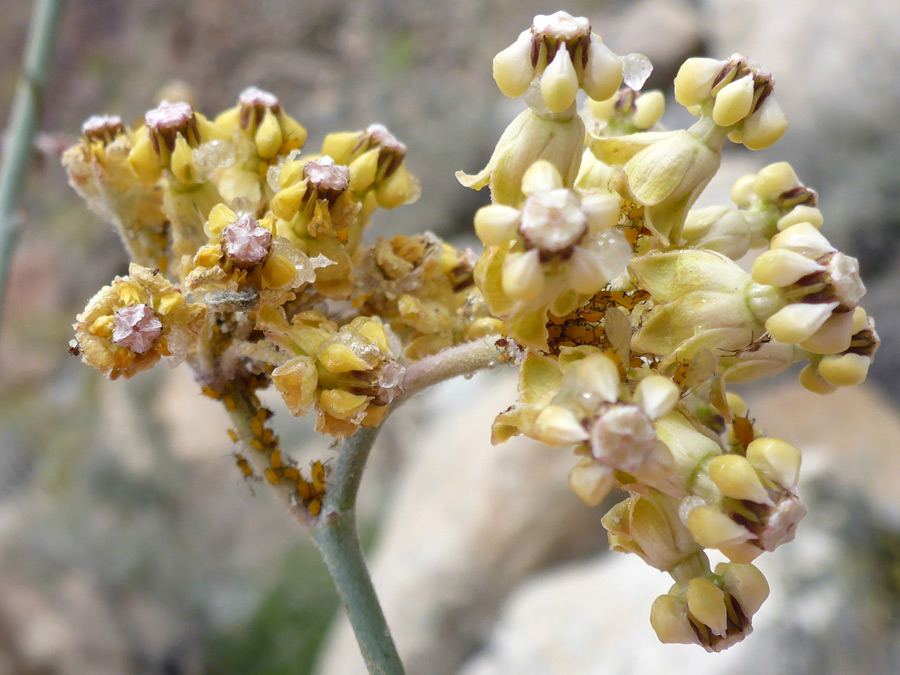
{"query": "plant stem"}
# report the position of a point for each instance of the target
(465, 359)
(334, 532)
(336, 538)
(23, 121)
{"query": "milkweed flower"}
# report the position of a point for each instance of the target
(129, 325)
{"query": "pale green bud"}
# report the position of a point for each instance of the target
(706, 602)
(591, 481)
(603, 73)
(778, 460)
(774, 180)
(649, 109)
(523, 278)
(764, 127)
(693, 84)
(559, 82)
(513, 70)
(733, 102)
(669, 618)
(648, 525)
(801, 214)
(526, 140)
(667, 177)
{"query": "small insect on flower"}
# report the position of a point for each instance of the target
(318, 476)
(243, 465)
(742, 429)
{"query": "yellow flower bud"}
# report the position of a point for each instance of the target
(293, 133)
(764, 127)
(182, 162)
(397, 189)
(712, 528)
(798, 322)
(363, 170)
(268, 136)
(801, 214)
(220, 217)
(497, 224)
(558, 426)
(278, 272)
(287, 202)
(339, 358)
(590, 481)
(340, 146)
(742, 190)
(774, 180)
(746, 584)
(736, 478)
(669, 618)
(833, 337)
(103, 326)
(693, 84)
(656, 395)
(782, 267)
(707, 603)
(778, 460)
(845, 370)
(513, 71)
(169, 303)
(522, 277)
(810, 380)
(143, 159)
(733, 102)
(649, 109)
(603, 72)
(341, 404)
(296, 380)
(559, 82)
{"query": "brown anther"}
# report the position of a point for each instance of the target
(168, 120)
(102, 128)
(798, 195)
(254, 102)
(560, 28)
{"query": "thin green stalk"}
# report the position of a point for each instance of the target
(23, 122)
(334, 531)
(336, 538)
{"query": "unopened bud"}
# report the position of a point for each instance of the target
(778, 460)
(736, 478)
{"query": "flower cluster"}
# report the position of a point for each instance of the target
(628, 312)
(636, 316)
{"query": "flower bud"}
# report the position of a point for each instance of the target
(513, 70)
(733, 102)
(778, 460)
(693, 83)
(591, 481)
(559, 82)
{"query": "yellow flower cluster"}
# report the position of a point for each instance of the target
(629, 313)
(128, 325)
(635, 315)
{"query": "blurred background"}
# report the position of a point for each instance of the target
(128, 541)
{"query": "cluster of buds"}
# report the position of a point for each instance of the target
(737, 94)
(764, 204)
(630, 311)
(635, 316)
(559, 248)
